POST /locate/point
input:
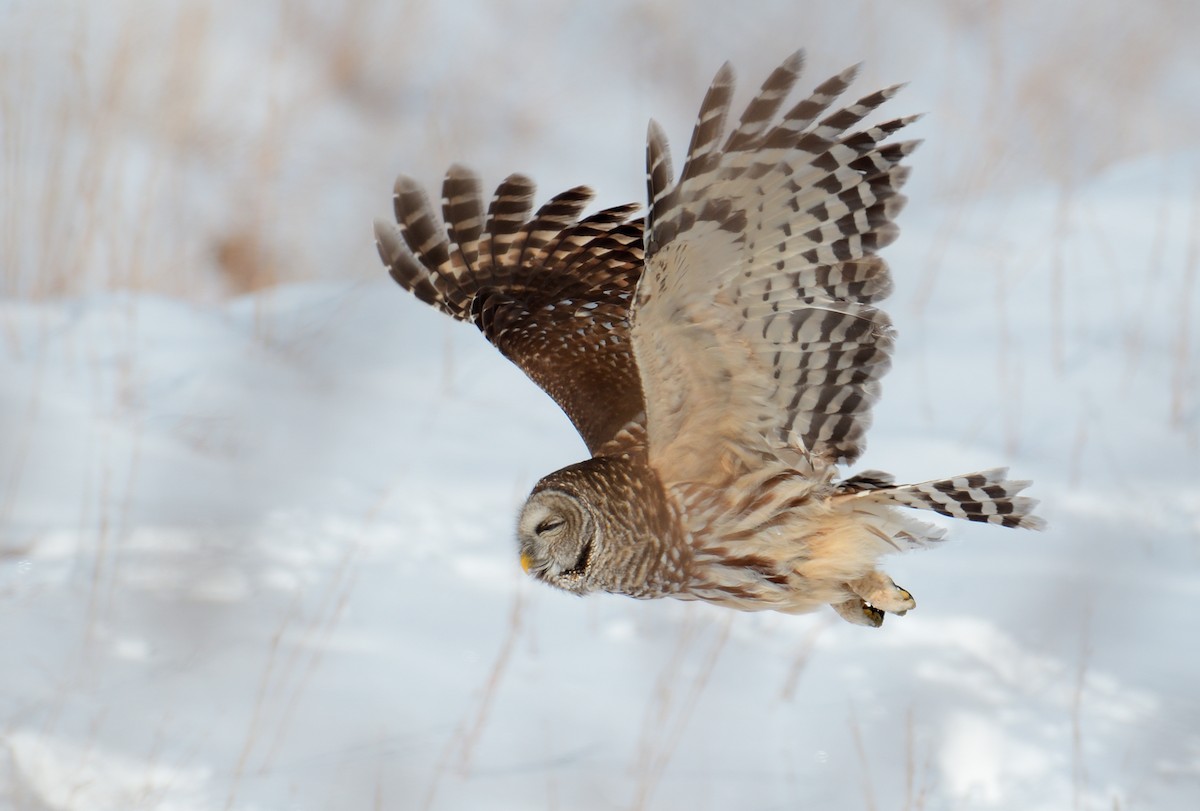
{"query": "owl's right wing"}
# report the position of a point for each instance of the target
(551, 292)
(755, 326)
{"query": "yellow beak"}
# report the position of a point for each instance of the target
(525, 563)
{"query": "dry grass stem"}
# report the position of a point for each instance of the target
(660, 741)
(1184, 373)
(467, 734)
(864, 765)
(807, 645)
(1078, 768)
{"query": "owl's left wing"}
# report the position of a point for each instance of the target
(755, 326)
(551, 291)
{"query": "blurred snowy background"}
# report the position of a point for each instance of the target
(256, 504)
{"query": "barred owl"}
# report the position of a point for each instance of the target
(719, 358)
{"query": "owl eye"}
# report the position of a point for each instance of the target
(549, 525)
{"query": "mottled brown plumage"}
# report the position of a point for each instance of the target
(719, 360)
(552, 292)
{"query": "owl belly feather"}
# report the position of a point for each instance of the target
(794, 547)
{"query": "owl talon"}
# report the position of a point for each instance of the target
(859, 612)
(879, 590)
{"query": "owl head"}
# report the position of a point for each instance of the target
(602, 525)
(559, 536)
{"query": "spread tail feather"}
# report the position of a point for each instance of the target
(986, 496)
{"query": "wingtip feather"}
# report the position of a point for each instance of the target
(387, 241)
(795, 61)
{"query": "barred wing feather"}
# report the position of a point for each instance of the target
(755, 326)
(551, 291)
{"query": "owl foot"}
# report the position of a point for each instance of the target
(879, 590)
(858, 612)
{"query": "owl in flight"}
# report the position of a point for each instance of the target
(719, 357)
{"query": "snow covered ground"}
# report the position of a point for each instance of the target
(258, 554)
